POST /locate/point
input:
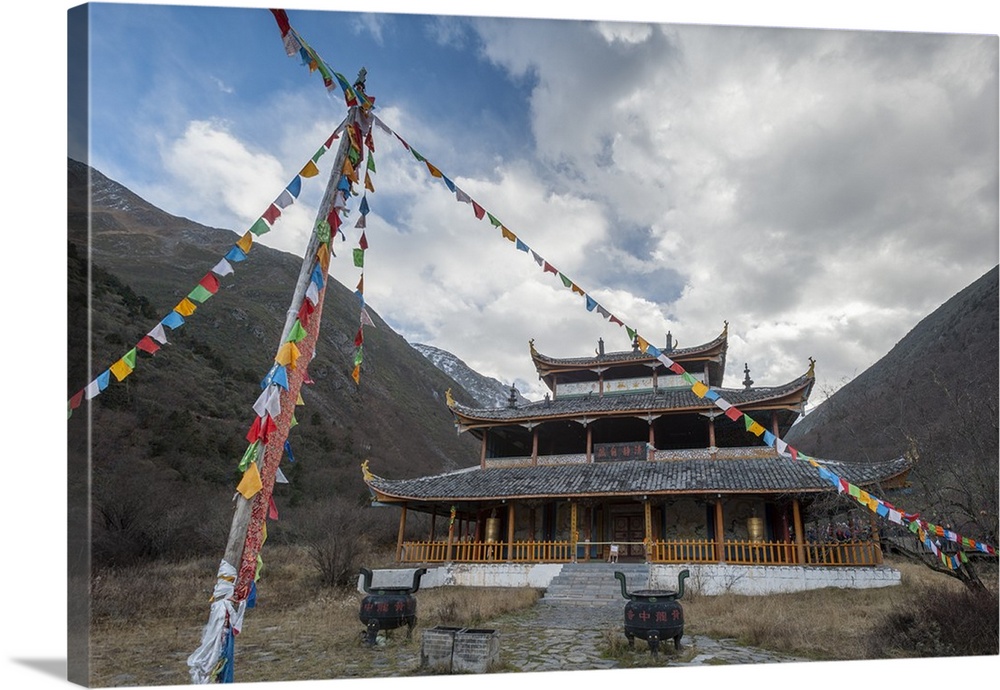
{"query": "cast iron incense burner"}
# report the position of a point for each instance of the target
(387, 608)
(654, 614)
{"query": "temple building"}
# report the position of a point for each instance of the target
(621, 452)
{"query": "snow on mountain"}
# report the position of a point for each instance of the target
(487, 391)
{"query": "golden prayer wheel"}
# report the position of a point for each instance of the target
(492, 530)
(755, 528)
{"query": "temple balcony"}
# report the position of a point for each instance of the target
(656, 455)
(859, 552)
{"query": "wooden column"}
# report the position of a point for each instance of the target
(774, 422)
(711, 431)
(588, 519)
(399, 539)
(482, 451)
(651, 455)
(720, 533)
(433, 518)
(534, 446)
(451, 536)
(800, 548)
(572, 529)
(647, 510)
(510, 531)
(590, 444)
(876, 539)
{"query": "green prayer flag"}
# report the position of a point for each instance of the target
(493, 220)
(747, 422)
(319, 153)
(129, 358)
(297, 333)
(323, 231)
(417, 155)
(359, 258)
(691, 380)
(358, 356)
(371, 162)
(260, 227)
(199, 294)
(354, 156)
(914, 527)
(294, 423)
(249, 455)
(854, 490)
(566, 281)
(631, 333)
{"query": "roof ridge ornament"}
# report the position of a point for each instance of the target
(725, 330)
(531, 346)
(812, 368)
(747, 381)
(365, 472)
(448, 399)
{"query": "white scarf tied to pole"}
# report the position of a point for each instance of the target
(203, 661)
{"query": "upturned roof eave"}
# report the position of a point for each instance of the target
(790, 395)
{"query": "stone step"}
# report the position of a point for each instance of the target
(594, 583)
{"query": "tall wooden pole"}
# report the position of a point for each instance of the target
(238, 533)
(237, 571)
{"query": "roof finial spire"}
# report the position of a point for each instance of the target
(747, 381)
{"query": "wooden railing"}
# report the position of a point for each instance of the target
(482, 552)
(673, 551)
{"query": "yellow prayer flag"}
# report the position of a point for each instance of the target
(323, 255)
(756, 429)
(356, 374)
(644, 344)
(185, 307)
(863, 496)
(368, 183)
(310, 170)
(121, 369)
(245, 242)
(251, 482)
(263, 532)
(508, 234)
(287, 355)
(700, 389)
(299, 400)
(434, 171)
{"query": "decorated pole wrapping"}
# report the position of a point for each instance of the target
(212, 661)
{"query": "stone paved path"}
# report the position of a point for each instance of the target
(564, 637)
(568, 637)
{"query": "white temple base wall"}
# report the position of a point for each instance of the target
(713, 579)
(707, 579)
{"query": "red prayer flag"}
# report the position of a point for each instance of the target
(147, 344)
(478, 210)
(75, 401)
(359, 338)
(281, 17)
(210, 283)
(271, 214)
(272, 509)
(363, 242)
(734, 414)
(254, 433)
(678, 369)
(549, 268)
(334, 220)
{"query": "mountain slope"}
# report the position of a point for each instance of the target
(934, 395)
(167, 439)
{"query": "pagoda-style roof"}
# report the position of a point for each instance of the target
(713, 352)
(791, 396)
(761, 475)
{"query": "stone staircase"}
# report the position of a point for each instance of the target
(594, 584)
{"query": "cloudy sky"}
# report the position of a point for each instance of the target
(821, 190)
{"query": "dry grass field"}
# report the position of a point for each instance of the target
(146, 621)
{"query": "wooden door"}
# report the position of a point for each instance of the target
(629, 528)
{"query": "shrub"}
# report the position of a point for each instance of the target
(944, 623)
